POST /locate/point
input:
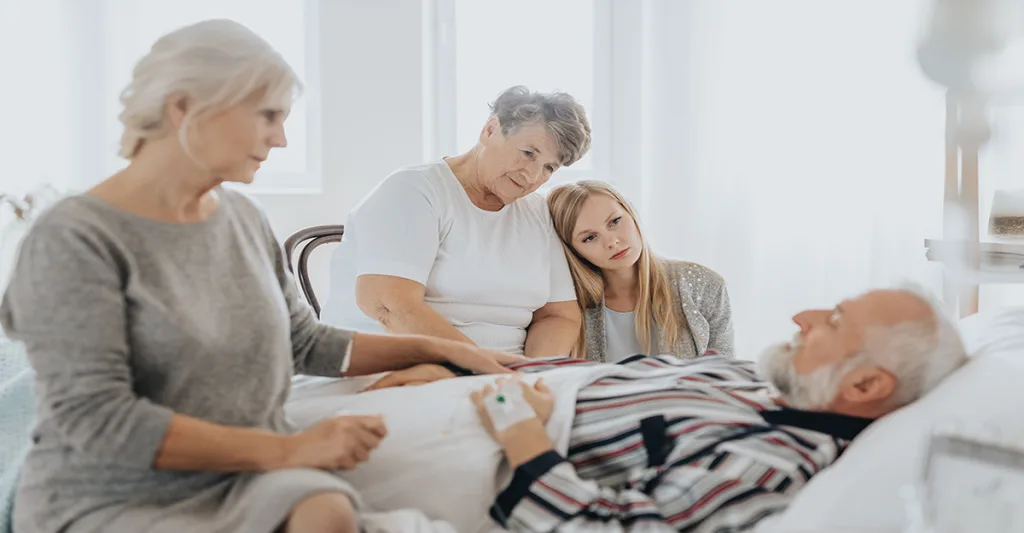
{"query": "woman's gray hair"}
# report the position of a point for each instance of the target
(920, 353)
(564, 117)
(216, 64)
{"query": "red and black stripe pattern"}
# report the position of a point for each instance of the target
(692, 449)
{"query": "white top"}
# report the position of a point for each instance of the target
(485, 272)
(620, 336)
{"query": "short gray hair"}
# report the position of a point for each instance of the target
(920, 353)
(564, 117)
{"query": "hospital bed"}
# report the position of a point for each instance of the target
(440, 460)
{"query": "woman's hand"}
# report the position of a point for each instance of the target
(417, 375)
(336, 443)
(474, 358)
(372, 354)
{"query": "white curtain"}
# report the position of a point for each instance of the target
(794, 147)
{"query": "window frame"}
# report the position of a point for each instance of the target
(441, 106)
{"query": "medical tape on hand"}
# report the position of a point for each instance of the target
(507, 406)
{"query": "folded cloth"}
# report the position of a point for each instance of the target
(403, 521)
(1007, 214)
(17, 412)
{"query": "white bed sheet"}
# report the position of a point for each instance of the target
(437, 456)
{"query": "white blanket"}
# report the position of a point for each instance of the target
(437, 457)
(403, 521)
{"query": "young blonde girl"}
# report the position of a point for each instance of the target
(632, 300)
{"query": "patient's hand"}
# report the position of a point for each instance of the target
(526, 439)
(538, 396)
(416, 375)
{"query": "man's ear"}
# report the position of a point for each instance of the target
(867, 384)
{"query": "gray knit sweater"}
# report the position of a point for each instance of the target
(128, 320)
(701, 295)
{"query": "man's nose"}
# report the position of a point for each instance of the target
(807, 319)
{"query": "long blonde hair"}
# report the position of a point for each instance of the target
(655, 300)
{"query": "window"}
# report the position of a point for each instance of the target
(486, 47)
(129, 27)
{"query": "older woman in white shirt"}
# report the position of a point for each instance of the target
(463, 248)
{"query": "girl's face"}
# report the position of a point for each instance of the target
(606, 235)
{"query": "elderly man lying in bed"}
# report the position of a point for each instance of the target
(655, 443)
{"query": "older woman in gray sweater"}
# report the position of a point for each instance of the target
(633, 301)
(164, 328)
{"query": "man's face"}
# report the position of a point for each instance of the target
(824, 358)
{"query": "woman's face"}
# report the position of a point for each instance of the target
(606, 235)
(232, 144)
(515, 166)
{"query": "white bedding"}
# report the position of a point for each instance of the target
(437, 457)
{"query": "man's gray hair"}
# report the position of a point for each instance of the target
(920, 353)
(564, 117)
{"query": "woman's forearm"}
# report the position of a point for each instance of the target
(552, 336)
(196, 445)
(381, 353)
(418, 318)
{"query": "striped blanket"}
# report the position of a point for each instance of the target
(673, 445)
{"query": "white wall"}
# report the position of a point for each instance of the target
(35, 137)
(666, 130)
(371, 87)
(804, 165)
(372, 113)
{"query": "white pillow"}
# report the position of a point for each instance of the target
(863, 488)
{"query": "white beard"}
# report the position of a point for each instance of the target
(813, 391)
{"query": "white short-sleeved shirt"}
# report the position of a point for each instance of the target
(485, 272)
